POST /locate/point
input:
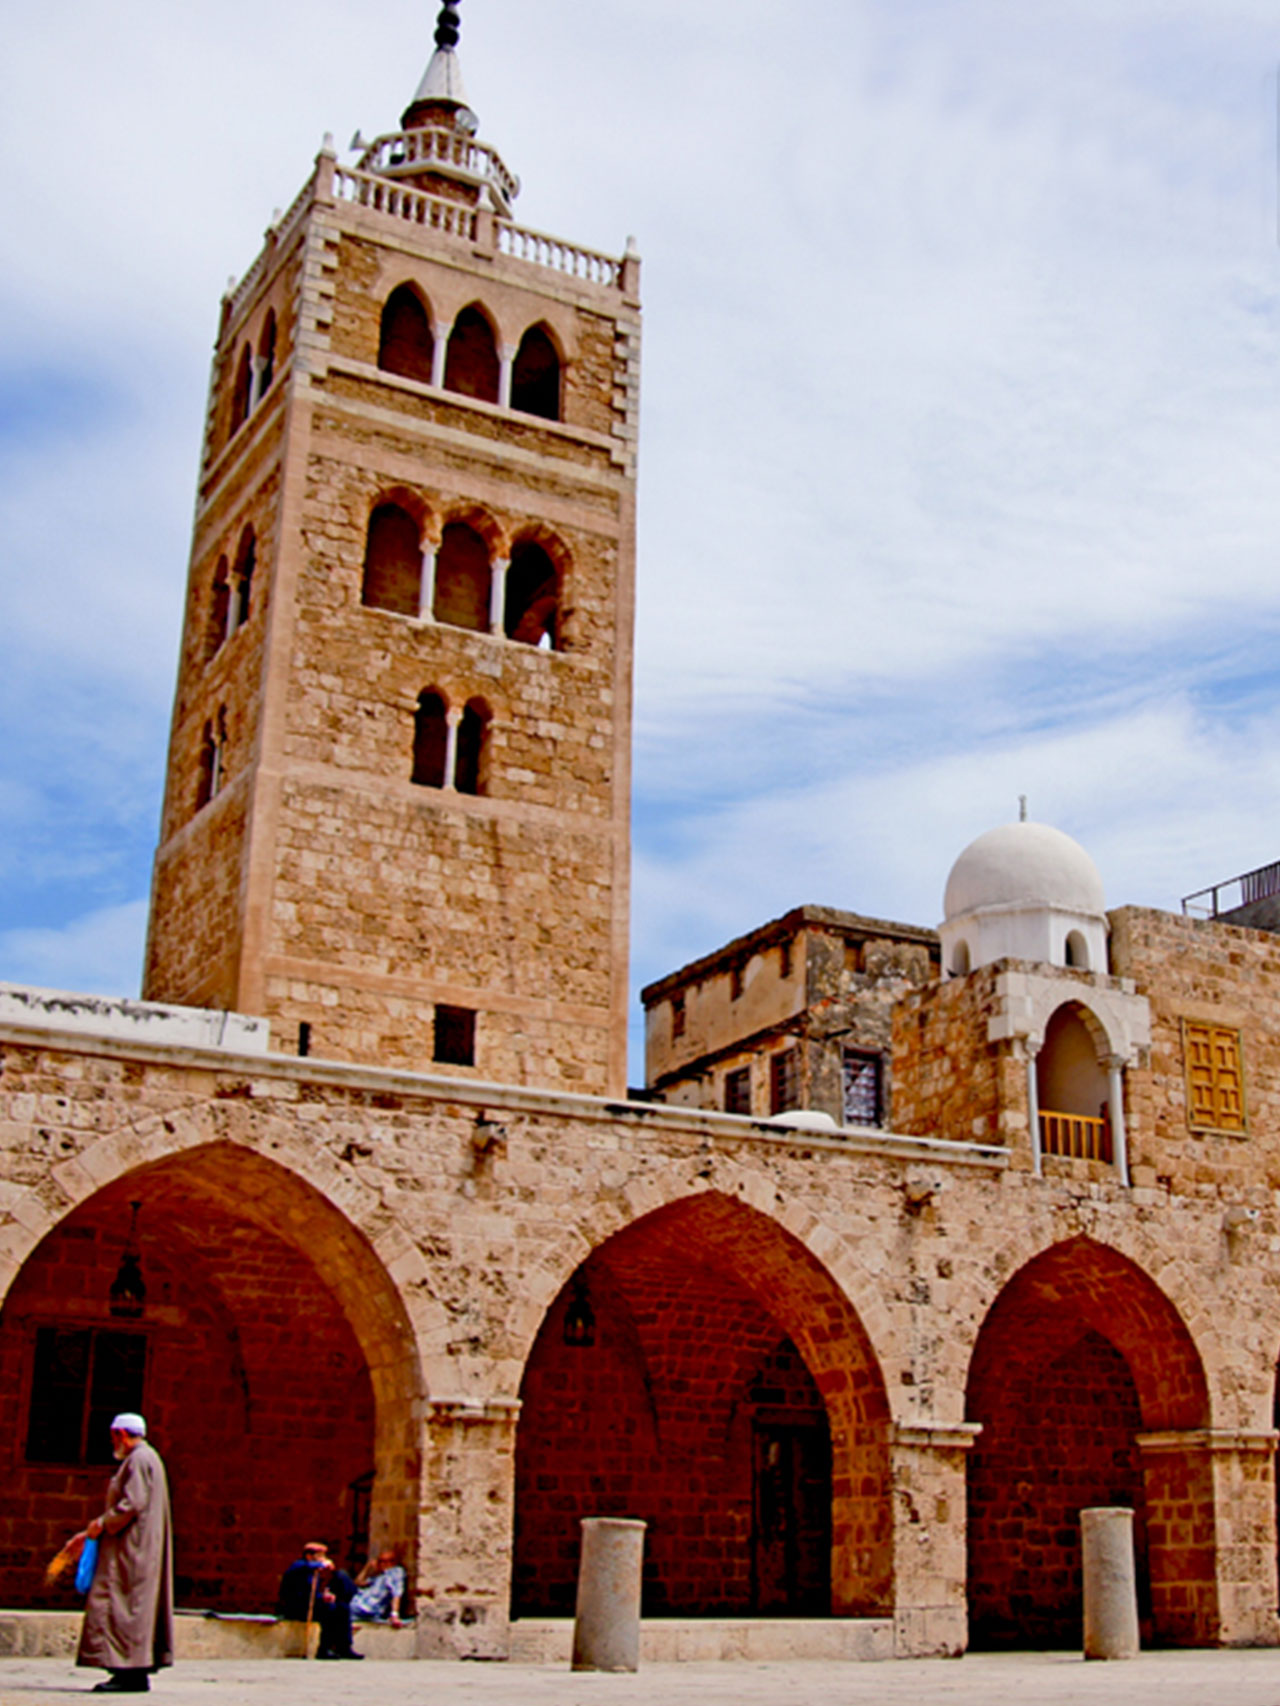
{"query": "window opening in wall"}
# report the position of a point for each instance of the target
(81, 1377)
(737, 1090)
(219, 606)
(463, 579)
(267, 356)
(863, 1087)
(535, 376)
(532, 597)
(735, 980)
(960, 959)
(406, 344)
(430, 741)
(784, 958)
(677, 1014)
(213, 754)
(392, 562)
(242, 581)
(471, 365)
(242, 391)
(784, 1081)
(304, 1038)
(455, 1036)
(469, 768)
(1076, 951)
(1215, 1076)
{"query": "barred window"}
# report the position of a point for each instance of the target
(784, 1081)
(1215, 1076)
(863, 1088)
(737, 1091)
(81, 1377)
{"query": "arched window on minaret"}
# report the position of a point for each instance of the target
(392, 562)
(267, 356)
(405, 343)
(463, 579)
(242, 391)
(242, 581)
(471, 765)
(220, 598)
(430, 741)
(533, 598)
(535, 377)
(471, 365)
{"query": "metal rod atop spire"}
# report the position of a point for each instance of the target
(448, 27)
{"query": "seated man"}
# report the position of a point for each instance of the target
(379, 1590)
(315, 1590)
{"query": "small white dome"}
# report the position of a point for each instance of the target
(1024, 864)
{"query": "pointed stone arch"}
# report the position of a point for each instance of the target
(766, 1288)
(265, 1172)
(1089, 1389)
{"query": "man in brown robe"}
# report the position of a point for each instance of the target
(128, 1616)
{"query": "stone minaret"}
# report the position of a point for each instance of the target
(396, 817)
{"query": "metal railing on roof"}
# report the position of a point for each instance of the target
(1238, 891)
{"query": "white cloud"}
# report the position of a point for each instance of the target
(99, 953)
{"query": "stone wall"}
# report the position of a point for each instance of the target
(447, 1220)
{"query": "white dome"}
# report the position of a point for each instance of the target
(1024, 864)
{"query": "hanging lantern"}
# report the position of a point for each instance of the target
(128, 1294)
(579, 1318)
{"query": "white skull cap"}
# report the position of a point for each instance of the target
(127, 1422)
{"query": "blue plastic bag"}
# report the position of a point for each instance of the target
(87, 1565)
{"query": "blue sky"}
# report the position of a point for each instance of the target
(958, 468)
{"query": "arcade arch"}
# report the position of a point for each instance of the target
(273, 1357)
(1090, 1391)
(702, 1370)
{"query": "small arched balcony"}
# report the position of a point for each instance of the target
(406, 344)
(471, 365)
(535, 375)
(1073, 1087)
(532, 603)
(463, 579)
(392, 577)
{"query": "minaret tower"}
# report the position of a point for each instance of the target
(396, 818)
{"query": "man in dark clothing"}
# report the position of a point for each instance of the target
(314, 1589)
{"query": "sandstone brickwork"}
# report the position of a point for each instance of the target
(320, 884)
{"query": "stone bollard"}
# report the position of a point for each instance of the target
(1110, 1584)
(606, 1624)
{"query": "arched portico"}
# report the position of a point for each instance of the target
(1089, 1390)
(273, 1356)
(702, 1369)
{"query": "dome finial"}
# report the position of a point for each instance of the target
(448, 28)
(1022, 808)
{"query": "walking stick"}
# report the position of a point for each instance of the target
(311, 1606)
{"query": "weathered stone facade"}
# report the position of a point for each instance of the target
(315, 880)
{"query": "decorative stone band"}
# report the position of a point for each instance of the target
(504, 1410)
(1211, 1439)
(937, 1436)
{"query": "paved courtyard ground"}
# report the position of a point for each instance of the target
(1043, 1679)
